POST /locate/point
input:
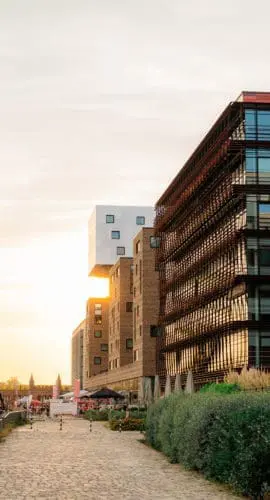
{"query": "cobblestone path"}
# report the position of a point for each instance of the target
(76, 464)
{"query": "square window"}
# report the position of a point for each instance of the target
(120, 251)
(98, 309)
(97, 360)
(155, 331)
(140, 220)
(104, 347)
(129, 307)
(154, 241)
(129, 343)
(98, 334)
(115, 235)
(98, 320)
(109, 219)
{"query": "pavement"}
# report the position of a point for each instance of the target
(46, 463)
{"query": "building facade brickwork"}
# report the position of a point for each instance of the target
(145, 301)
(120, 313)
(77, 353)
(96, 338)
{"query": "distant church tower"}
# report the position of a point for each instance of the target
(59, 385)
(31, 383)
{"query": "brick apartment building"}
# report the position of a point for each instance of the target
(145, 301)
(133, 318)
(77, 353)
(120, 313)
(96, 338)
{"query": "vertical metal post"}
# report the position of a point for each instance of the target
(31, 421)
(90, 425)
(61, 422)
(120, 425)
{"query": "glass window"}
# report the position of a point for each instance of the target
(104, 347)
(263, 121)
(109, 219)
(120, 251)
(98, 320)
(140, 220)
(97, 360)
(264, 292)
(251, 166)
(138, 246)
(98, 308)
(250, 123)
(115, 235)
(251, 215)
(129, 343)
(155, 331)
(154, 241)
(264, 170)
(264, 215)
(129, 306)
(98, 334)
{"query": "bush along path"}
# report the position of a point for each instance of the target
(226, 437)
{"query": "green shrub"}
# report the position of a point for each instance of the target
(220, 388)
(116, 414)
(227, 437)
(97, 415)
(127, 424)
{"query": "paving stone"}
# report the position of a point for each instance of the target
(71, 464)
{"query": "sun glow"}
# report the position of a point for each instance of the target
(99, 288)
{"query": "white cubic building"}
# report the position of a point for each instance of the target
(111, 231)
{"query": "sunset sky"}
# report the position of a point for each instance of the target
(101, 102)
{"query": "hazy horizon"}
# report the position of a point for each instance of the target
(101, 102)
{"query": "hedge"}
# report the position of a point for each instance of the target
(226, 437)
(109, 414)
(222, 388)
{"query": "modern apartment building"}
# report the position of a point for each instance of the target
(111, 230)
(120, 313)
(77, 352)
(213, 222)
(134, 297)
(96, 338)
(145, 301)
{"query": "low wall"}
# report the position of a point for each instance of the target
(123, 378)
(13, 417)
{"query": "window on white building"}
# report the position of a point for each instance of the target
(140, 220)
(109, 219)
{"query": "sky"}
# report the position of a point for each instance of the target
(101, 101)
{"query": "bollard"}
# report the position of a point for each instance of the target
(90, 425)
(61, 422)
(31, 421)
(120, 425)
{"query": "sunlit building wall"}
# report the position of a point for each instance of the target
(111, 230)
(77, 352)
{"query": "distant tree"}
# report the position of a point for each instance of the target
(59, 384)
(12, 384)
(31, 382)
